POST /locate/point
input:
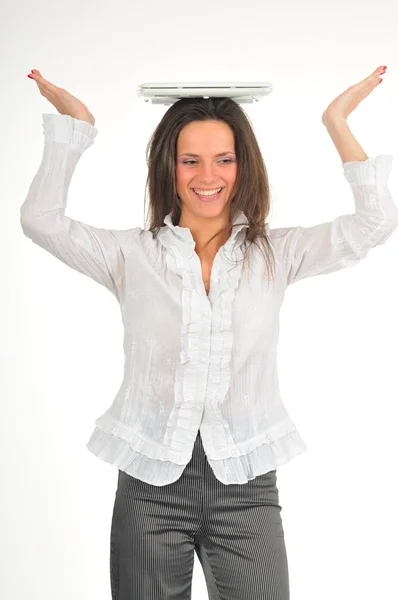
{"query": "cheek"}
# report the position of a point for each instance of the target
(182, 177)
(232, 176)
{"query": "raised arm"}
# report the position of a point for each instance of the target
(343, 242)
(92, 251)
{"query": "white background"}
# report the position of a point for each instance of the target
(61, 334)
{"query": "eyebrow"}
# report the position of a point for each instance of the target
(197, 155)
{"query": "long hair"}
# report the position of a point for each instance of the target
(251, 192)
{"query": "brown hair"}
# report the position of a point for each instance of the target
(251, 192)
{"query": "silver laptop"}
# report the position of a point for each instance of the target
(168, 93)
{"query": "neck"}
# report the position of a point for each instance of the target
(203, 230)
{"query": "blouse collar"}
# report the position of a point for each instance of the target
(181, 237)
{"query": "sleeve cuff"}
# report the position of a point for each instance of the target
(372, 171)
(67, 129)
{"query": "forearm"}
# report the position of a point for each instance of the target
(346, 145)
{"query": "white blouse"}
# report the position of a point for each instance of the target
(197, 362)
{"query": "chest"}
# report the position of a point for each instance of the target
(206, 266)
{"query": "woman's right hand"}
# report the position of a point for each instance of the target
(65, 103)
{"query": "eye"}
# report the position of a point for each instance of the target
(186, 162)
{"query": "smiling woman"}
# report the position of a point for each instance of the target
(203, 144)
(197, 368)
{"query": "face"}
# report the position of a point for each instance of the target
(206, 170)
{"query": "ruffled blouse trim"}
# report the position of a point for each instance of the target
(192, 392)
(240, 469)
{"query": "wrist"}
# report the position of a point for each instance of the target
(87, 117)
(333, 121)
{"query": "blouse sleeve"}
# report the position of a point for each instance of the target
(92, 251)
(343, 242)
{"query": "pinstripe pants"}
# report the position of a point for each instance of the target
(236, 531)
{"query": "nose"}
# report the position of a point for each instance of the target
(208, 174)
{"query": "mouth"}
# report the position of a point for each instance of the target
(209, 198)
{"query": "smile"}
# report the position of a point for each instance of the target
(207, 197)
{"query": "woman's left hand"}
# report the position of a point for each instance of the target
(344, 104)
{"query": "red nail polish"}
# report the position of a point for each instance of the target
(30, 76)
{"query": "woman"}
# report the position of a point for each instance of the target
(198, 426)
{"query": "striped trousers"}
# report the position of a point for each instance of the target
(236, 531)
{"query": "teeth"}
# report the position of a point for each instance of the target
(208, 192)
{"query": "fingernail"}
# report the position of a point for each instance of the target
(31, 76)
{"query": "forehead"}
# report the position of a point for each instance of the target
(206, 136)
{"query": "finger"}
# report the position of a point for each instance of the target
(36, 74)
(370, 82)
(376, 74)
(41, 81)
